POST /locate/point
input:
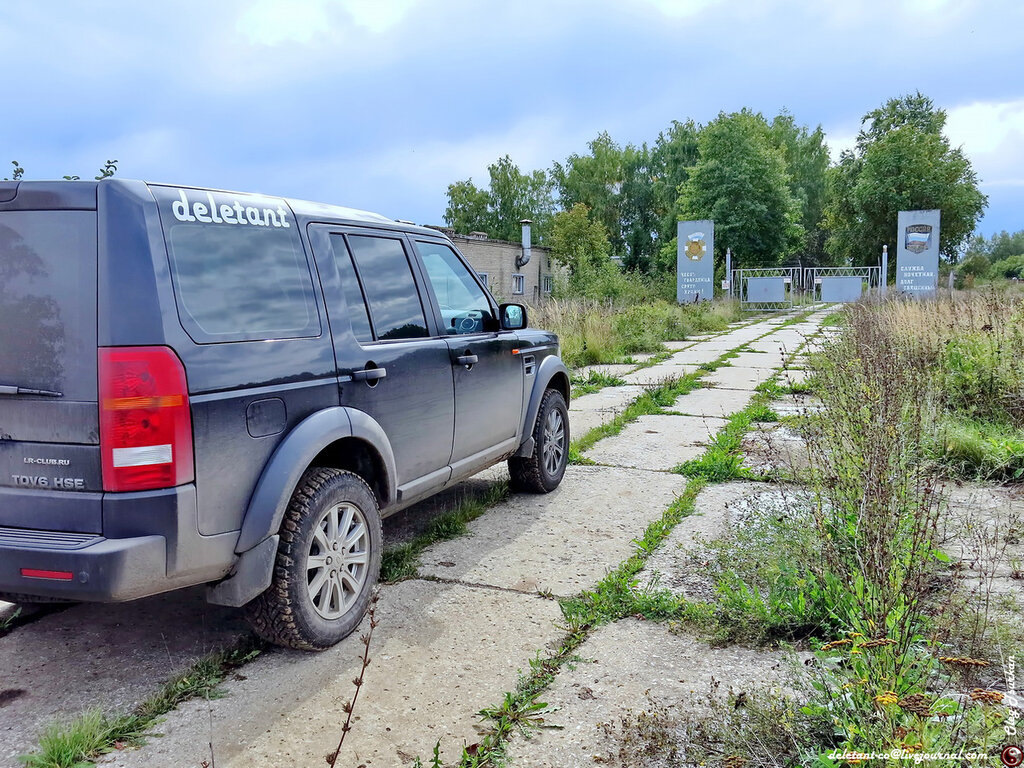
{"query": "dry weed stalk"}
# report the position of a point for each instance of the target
(349, 707)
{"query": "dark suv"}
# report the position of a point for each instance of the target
(199, 386)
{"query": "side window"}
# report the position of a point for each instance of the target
(390, 289)
(518, 285)
(351, 290)
(463, 304)
(237, 280)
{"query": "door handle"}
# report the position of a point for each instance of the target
(467, 360)
(369, 374)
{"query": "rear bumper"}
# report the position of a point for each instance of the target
(102, 570)
(150, 544)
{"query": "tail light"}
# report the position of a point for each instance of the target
(145, 422)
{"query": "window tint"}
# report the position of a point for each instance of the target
(390, 289)
(353, 293)
(464, 305)
(242, 275)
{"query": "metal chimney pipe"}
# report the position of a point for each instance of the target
(524, 259)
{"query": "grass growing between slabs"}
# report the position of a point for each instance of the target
(401, 561)
(80, 741)
(723, 460)
(652, 402)
(615, 597)
(592, 382)
(849, 562)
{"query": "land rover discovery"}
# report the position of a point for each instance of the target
(209, 387)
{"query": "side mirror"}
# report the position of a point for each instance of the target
(513, 316)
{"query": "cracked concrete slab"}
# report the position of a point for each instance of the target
(438, 655)
(676, 346)
(713, 402)
(564, 541)
(609, 398)
(795, 405)
(655, 375)
(732, 377)
(775, 448)
(757, 360)
(657, 442)
(695, 356)
(677, 565)
(628, 666)
(618, 371)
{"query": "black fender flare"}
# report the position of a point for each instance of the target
(292, 457)
(549, 368)
(258, 539)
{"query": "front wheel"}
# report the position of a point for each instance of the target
(327, 563)
(542, 470)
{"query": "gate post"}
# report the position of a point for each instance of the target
(884, 277)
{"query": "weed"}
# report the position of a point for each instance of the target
(76, 743)
(593, 382)
(651, 402)
(9, 622)
(723, 460)
(349, 706)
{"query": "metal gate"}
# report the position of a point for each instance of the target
(836, 285)
(766, 289)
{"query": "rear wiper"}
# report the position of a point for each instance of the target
(7, 389)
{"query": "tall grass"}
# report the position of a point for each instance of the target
(969, 351)
(865, 574)
(593, 332)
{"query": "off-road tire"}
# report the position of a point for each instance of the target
(285, 613)
(532, 473)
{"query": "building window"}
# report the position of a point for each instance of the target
(483, 278)
(548, 283)
(518, 285)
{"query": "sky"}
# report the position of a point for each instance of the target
(380, 104)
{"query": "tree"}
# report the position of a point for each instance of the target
(578, 242)
(581, 244)
(498, 210)
(674, 155)
(468, 208)
(595, 180)
(741, 182)
(807, 162)
(901, 162)
(617, 185)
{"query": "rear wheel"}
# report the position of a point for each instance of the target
(327, 563)
(542, 471)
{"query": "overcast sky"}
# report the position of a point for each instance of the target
(380, 105)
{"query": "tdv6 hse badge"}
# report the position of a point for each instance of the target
(40, 481)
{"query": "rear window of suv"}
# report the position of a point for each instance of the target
(238, 266)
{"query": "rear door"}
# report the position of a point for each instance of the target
(392, 363)
(487, 364)
(49, 431)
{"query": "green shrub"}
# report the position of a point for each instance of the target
(978, 450)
